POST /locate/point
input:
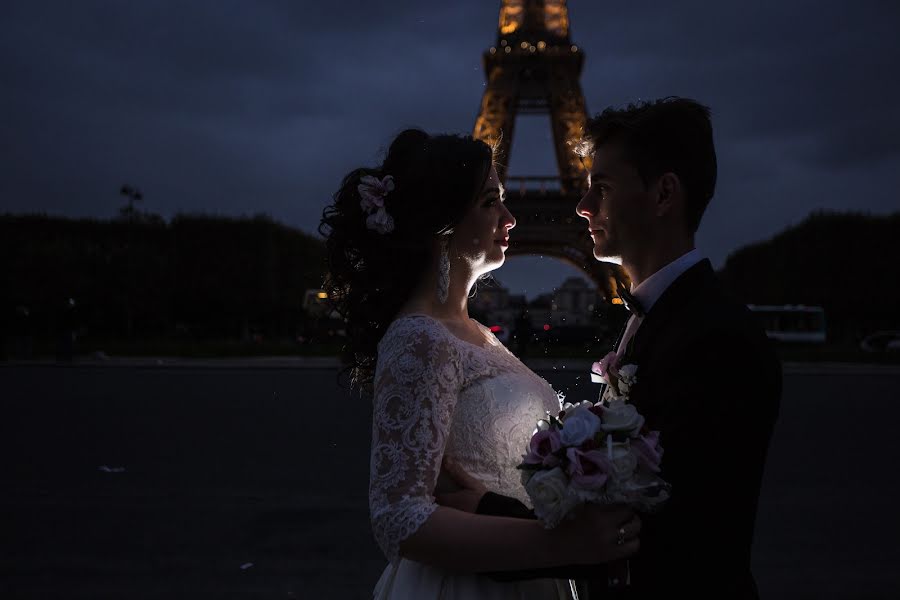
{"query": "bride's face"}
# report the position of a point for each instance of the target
(482, 237)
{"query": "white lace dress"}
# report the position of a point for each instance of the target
(437, 394)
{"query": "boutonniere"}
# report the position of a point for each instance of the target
(619, 378)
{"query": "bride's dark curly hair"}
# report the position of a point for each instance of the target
(437, 178)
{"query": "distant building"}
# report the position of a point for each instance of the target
(571, 304)
(497, 308)
(490, 298)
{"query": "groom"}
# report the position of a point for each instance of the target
(707, 377)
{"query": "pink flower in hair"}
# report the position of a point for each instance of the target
(373, 190)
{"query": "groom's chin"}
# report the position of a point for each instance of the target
(603, 256)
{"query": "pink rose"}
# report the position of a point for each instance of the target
(607, 366)
(542, 447)
(588, 470)
(647, 450)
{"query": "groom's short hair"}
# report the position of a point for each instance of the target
(666, 135)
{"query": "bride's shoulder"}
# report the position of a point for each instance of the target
(415, 342)
(413, 327)
(485, 329)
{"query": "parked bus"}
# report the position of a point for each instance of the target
(792, 323)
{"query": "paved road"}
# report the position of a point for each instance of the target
(245, 480)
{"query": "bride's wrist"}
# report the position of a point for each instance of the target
(573, 544)
(560, 546)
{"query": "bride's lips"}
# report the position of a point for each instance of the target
(502, 242)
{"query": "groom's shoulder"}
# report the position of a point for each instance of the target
(699, 298)
(699, 316)
(722, 316)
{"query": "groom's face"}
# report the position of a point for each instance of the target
(617, 205)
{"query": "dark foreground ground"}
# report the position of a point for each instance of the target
(249, 481)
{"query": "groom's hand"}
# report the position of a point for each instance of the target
(457, 489)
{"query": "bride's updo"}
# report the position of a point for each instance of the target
(373, 268)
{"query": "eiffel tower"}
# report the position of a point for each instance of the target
(534, 69)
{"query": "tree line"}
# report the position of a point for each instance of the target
(196, 276)
(844, 262)
(201, 277)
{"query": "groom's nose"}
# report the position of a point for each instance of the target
(584, 208)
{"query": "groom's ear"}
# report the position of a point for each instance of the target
(668, 193)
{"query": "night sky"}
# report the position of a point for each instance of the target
(238, 108)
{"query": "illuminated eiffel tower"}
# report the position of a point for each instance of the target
(534, 69)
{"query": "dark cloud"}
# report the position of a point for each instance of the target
(244, 107)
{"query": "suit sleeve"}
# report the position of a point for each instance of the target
(497, 505)
(720, 404)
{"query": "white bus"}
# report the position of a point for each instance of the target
(792, 322)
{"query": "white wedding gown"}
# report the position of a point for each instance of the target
(437, 394)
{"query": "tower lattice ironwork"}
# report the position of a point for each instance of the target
(534, 68)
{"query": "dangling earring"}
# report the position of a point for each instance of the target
(444, 271)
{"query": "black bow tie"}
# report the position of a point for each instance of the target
(631, 303)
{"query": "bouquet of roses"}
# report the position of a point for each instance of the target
(594, 452)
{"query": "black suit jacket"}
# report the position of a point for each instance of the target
(710, 382)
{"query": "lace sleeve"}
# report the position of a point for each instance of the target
(417, 382)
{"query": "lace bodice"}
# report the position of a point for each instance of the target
(437, 394)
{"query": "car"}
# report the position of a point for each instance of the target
(881, 341)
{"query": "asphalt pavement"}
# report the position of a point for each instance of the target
(159, 478)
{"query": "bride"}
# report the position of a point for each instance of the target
(406, 242)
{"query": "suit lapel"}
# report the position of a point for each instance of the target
(618, 341)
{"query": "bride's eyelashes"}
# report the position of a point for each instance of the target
(491, 198)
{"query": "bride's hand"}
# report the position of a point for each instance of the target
(457, 489)
(600, 534)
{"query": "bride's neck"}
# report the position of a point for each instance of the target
(424, 298)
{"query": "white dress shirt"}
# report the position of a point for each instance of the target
(651, 289)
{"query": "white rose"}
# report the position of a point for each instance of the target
(619, 416)
(627, 372)
(624, 462)
(580, 425)
(641, 482)
(569, 407)
(525, 476)
(548, 491)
